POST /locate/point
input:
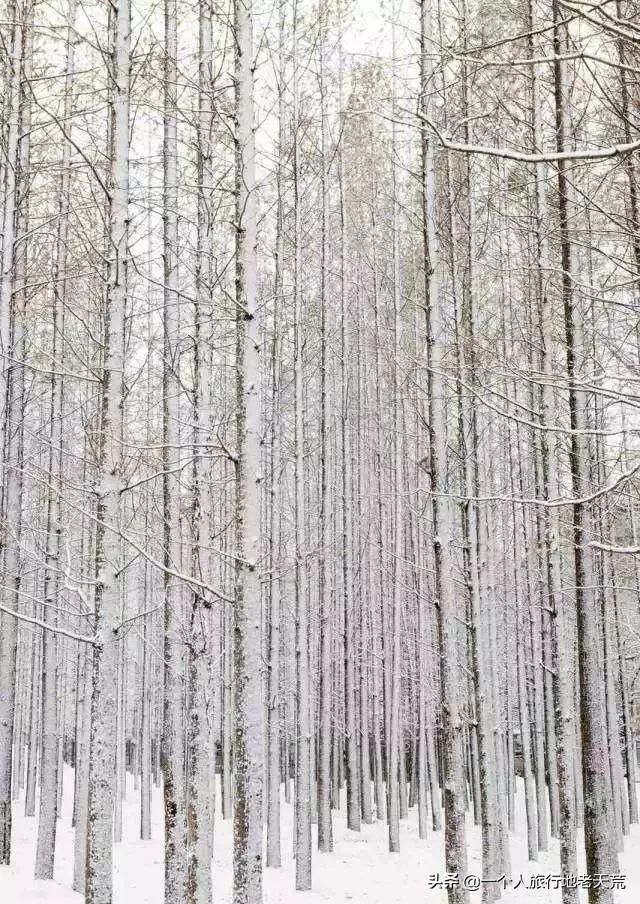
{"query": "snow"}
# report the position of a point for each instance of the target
(360, 869)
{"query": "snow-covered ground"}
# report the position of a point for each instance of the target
(359, 870)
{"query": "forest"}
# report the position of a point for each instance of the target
(319, 451)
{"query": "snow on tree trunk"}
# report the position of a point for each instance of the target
(199, 797)
(601, 857)
(448, 604)
(303, 690)
(99, 871)
(173, 743)
(8, 624)
(247, 607)
(325, 827)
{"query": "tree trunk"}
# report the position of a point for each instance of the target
(247, 610)
(452, 725)
(99, 878)
(173, 734)
(597, 802)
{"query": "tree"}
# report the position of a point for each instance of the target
(247, 606)
(99, 878)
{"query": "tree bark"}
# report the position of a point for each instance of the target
(247, 609)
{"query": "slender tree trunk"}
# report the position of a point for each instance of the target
(99, 878)
(452, 726)
(8, 449)
(325, 828)
(199, 798)
(247, 615)
(173, 736)
(303, 746)
(597, 803)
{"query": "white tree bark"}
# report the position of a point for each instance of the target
(99, 870)
(199, 797)
(247, 609)
(8, 624)
(303, 702)
(173, 735)
(452, 726)
(325, 827)
(601, 857)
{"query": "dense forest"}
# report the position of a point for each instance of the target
(319, 449)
